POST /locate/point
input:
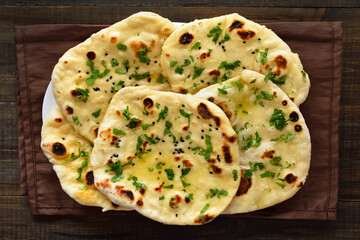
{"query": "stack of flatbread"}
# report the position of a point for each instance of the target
(179, 123)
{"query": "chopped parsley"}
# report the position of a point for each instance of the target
(303, 73)
(84, 94)
(95, 73)
(235, 174)
(281, 185)
(215, 33)
(253, 167)
(84, 165)
(203, 210)
(265, 95)
(226, 38)
(263, 55)
(216, 192)
(283, 138)
(142, 55)
(170, 173)
(267, 174)
(205, 152)
(117, 168)
(96, 114)
(229, 66)
(161, 198)
(161, 79)
(223, 89)
(167, 130)
(184, 172)
(225, 76)
(120, 71)
(138, 76)
(278, 120)
(179, 70)
(114, 62)
(251, 142)
(145, 112)
(121, 47)
(163, 113)
(274, 79)
(118, 132)
(76, 120)
(196, 45)
(137, 184)
(173, 63)
(187, 115)
(197, 71)
(238, 84)
(171, 186)
(146, 126)
(185, 184)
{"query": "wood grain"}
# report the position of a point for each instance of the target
(17, 223)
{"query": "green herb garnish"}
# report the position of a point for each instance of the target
(139, 76)
(117, 168)
(163, 113)
(121, 47)
(274, 79)
(196, 45)
(235, 174)
(203, 210)
(76, 120)
(278, 119)
(251, 142)
(118, 132)
(137, 184)
(84, 94)
(215, 33)
(229, 66)
(142, 55)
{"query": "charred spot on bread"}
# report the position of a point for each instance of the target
(186, 38)
(124, 193)
(214, 72)
(268, 154)
(236, 24)
(284, 102)
(227, 155)
(69, 110)
(104, 184)
(58, 120)
(205, 113)
(245, 184)
(280, 62)
(142, 191)
(139, 202)
(148, 103)
(246, 35)
(75, 93)
(58, 149)
(91, 55)
(89, 177)
(291, 178)
(298, 128)
(216, 169)
(96, 131)
(294, 116)
(205, 219)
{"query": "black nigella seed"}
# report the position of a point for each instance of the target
(178, 166)
(210, 172)
(106, 54)
(259, 39)
(202, 81)
(155, 61)
(183, 105)
(244, 68)
(87, 72)
(244, 41)
(113, 84)
(202, 137)
(160, 153)
(63, 138)
(210, 125)
(202, 130)
(252, 52)
(110, 77)
(216, 129)
(107, 80)
(79, 71)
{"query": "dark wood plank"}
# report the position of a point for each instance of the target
(14, 215)
(188, 3)
(17, 223)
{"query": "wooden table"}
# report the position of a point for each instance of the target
(15, 219)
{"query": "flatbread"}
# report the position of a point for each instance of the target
(203, 52)
(124, 54)
(69, 153)
(273, 138)
(171, 157)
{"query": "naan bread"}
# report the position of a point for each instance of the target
(203, 52)
(171, 157)
(273, 138)
(70, 155)
(124, 54)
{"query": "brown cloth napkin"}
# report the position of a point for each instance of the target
(319, 45)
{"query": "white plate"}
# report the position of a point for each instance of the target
(49, 101)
